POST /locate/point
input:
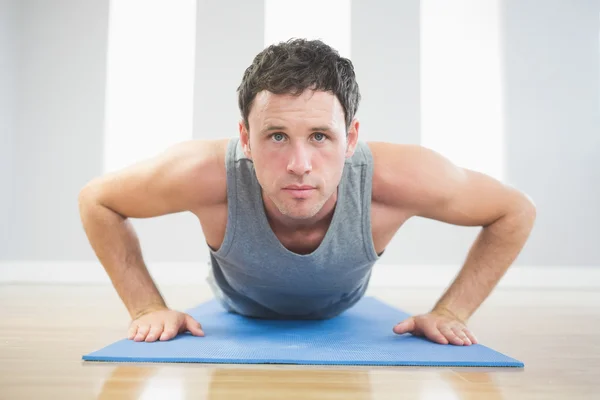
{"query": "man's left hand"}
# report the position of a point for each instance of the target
(439, 327)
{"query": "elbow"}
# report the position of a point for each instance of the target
(88, 195)
(521, 210)
(91, 200)
(527, 211)
(529, 207)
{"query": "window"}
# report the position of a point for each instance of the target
(149, 95)
(461, 83)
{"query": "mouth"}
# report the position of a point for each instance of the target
(298, 187)
(299, 191)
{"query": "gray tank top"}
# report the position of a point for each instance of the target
(253, 274)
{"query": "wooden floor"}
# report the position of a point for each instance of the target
(44, 331)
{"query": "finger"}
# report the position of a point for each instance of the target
(408, 325)
(169, 332)
(132, 331)
(470, 335)
(451, 336)
(142, 332)
(155, 331)
(193, 326)
(434, 334)
(458, 331)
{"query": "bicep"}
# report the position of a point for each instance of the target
(182, 177)
(425, 183)
(466, 198)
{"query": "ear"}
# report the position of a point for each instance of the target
(245, 139)
(352, 138)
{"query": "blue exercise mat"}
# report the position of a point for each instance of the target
(360, 336)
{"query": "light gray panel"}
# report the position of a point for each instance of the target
(229, 35)
(553, 124)
(58, 147)
(385, 52)
(8, 74)
(551, 65)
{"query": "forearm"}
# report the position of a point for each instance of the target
(492, 253)
(117, 247)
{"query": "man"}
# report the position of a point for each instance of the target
(297, 210)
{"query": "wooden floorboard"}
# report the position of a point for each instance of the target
(45, 329)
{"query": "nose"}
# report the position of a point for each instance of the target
(299, 163)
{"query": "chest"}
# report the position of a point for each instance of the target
(385, 222)
(301, 242)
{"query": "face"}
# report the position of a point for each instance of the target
(298, 145)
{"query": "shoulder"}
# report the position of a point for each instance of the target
(423, 182)
(201, 169)
(407, 176)
(186, 176)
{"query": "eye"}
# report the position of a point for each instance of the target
(278, 137)
(320, 137)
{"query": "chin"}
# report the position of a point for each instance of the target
(299, 211)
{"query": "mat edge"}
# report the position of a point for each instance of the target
(284, 362)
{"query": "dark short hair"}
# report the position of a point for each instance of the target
(293, 66)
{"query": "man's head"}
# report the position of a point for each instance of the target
(298, 102)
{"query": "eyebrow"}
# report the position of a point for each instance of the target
(271, 128)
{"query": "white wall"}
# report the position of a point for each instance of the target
(461, 83)
(150, 79)
(546, 109)
(55, 111)
(59, 103)
(150, 106)
(420, 65)
(8, 75)
(552, 75)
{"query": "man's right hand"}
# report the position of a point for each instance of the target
(162, 325)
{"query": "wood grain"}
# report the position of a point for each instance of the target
(46, 329)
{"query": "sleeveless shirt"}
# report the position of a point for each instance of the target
(254, 275)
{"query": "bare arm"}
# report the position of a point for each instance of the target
(428, 185)
(187, 176)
